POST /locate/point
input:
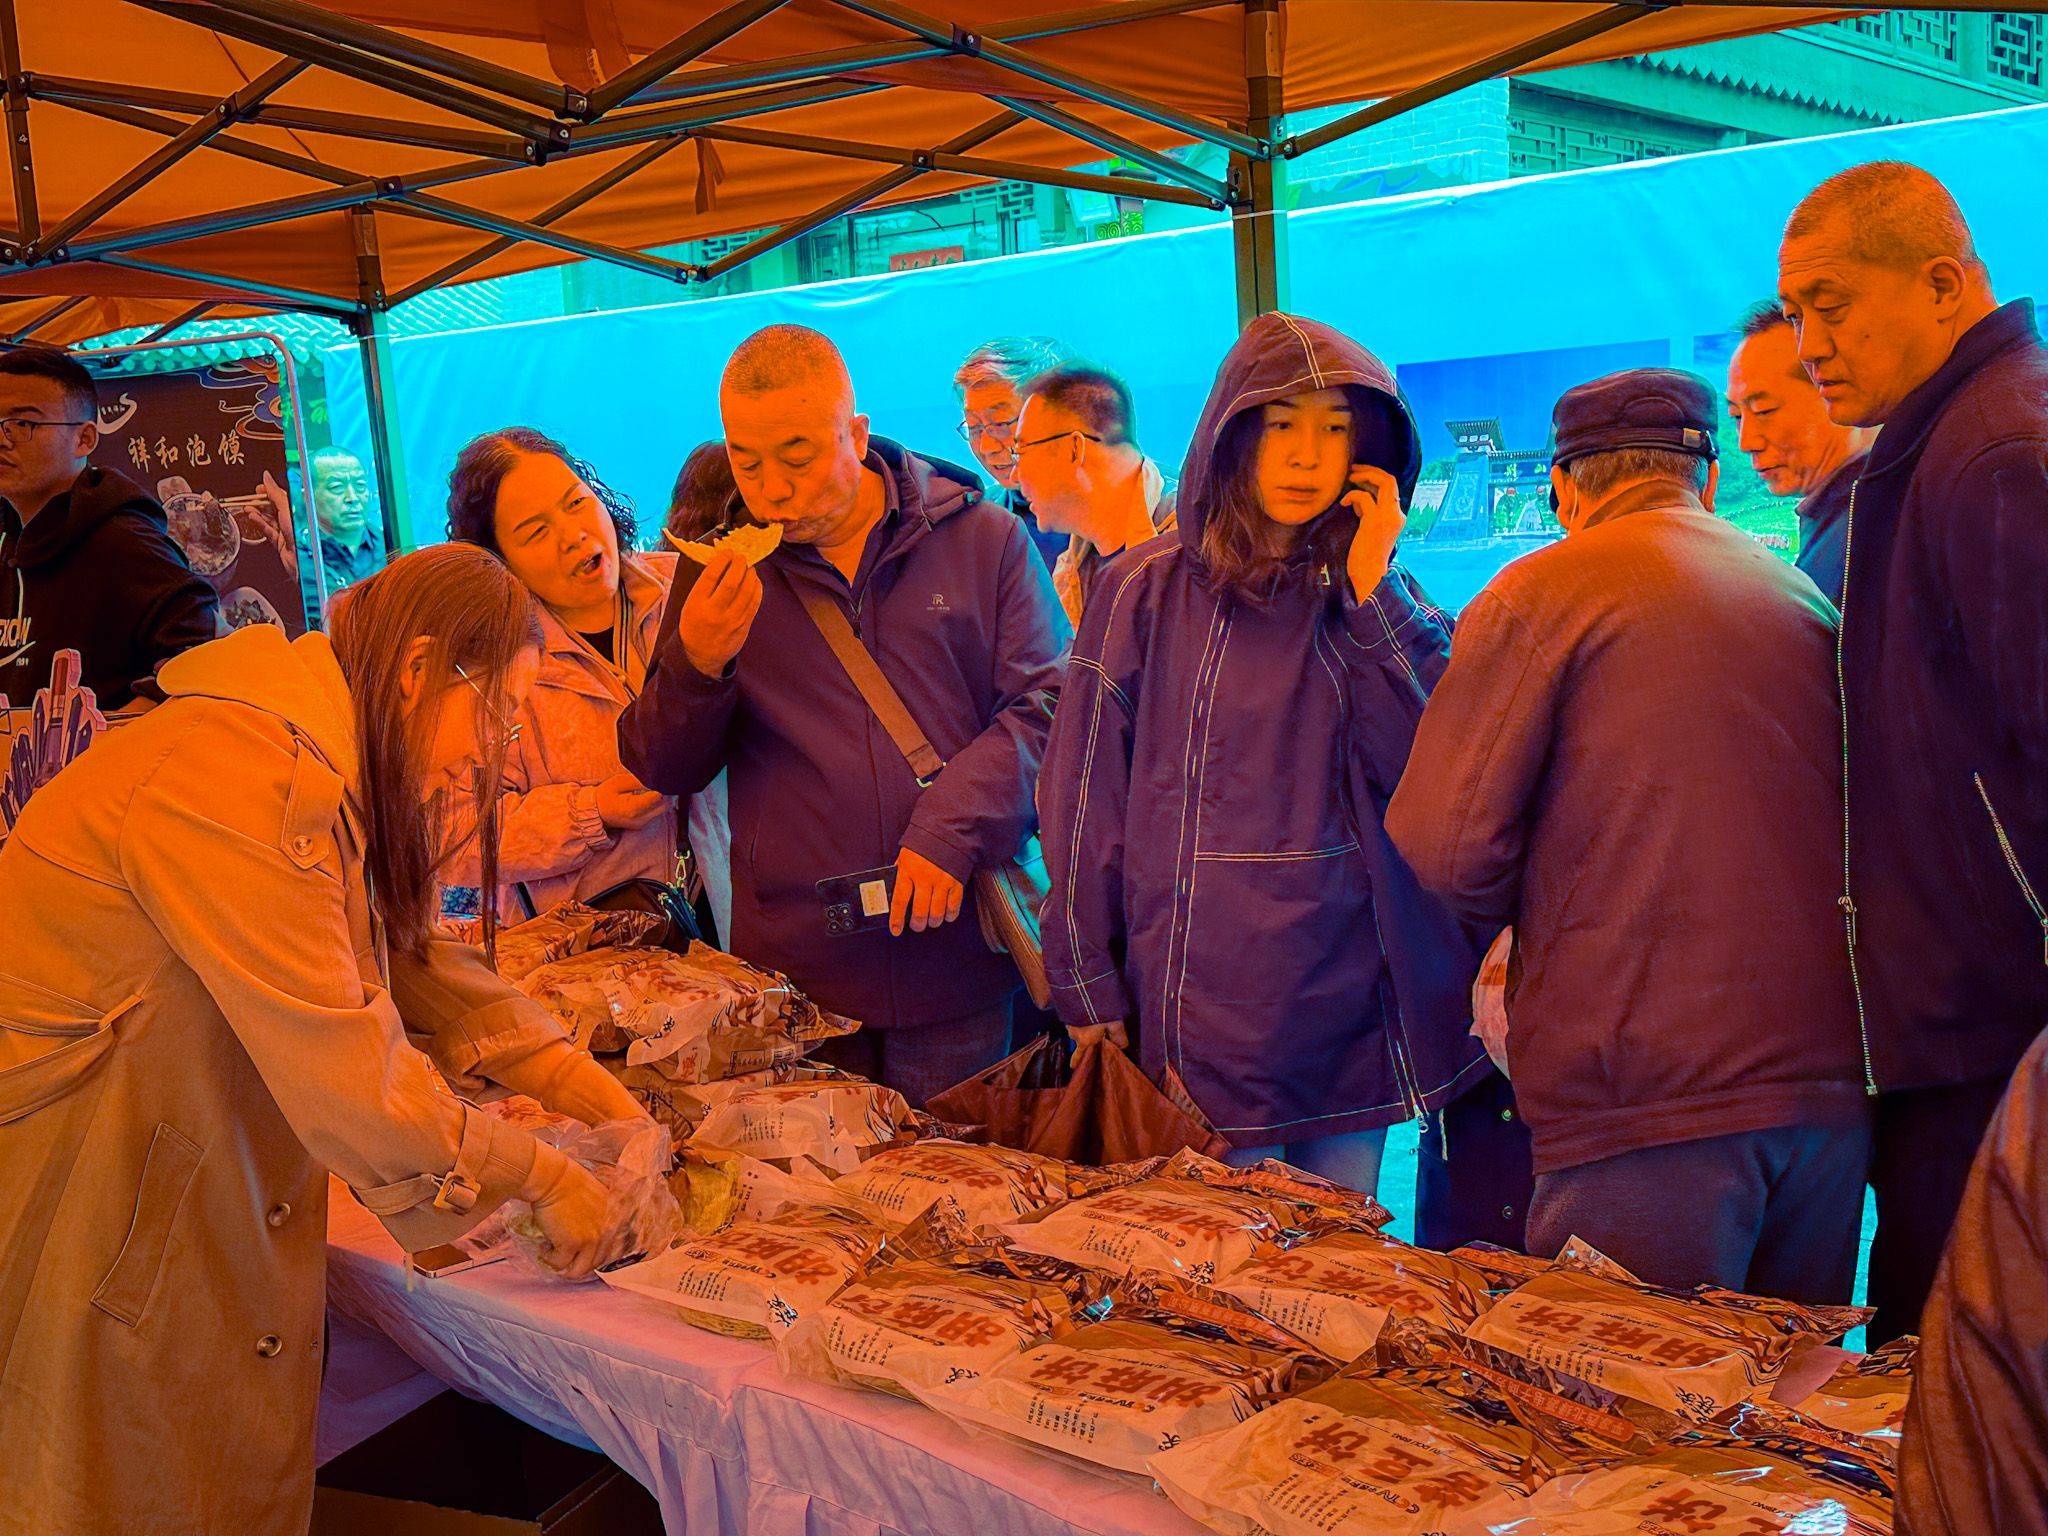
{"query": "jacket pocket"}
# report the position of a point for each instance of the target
(2012, 862)
(166, 1175)
(47, 1076)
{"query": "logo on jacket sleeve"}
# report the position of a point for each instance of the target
(14, 633)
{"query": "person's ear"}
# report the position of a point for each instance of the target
(1713, 485)
(1949, 283)
(1564, 496)
(412, 672)
(88, 440)
(858, 430)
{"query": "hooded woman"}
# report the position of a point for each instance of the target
(576, 823)
(219, 937)
(1239, 710)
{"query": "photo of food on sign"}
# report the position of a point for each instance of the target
(210, 442)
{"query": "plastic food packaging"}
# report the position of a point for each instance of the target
(991, 1185)
(916, 1326)
(562, 931)
(1867, 1395)
(1697, 1353)
(1144, 1380)
(1194, 1219)
(630, 1158)
(1708, 1483)
(1410, 1451)
(681, 1107)
(697, 1017)
(826, 1116)
(757, 1279)
(715, 1189)
(1337, 1291)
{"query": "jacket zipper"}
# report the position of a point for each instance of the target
(2012, 862)
(1847, 901)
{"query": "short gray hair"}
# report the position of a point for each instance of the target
(1597, 474)
(1009, 360)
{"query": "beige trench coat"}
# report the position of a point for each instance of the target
(195, 1026)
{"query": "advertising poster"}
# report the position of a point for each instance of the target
(210, 443)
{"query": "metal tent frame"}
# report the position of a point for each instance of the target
(513, 120)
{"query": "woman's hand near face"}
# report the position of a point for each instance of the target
(1375, 499)
(625, 804)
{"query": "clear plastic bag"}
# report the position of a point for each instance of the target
(630, 1158)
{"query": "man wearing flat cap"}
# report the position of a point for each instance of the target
(1634, 759)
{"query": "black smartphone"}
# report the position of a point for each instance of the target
(858, 903)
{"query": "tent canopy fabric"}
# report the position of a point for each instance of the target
(727, 143)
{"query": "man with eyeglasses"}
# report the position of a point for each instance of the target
(1078, 460)
(87, 562)
(989, 385)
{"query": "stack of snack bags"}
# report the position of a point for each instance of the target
(1155, 1373)
(990, 1185)
(1191, 1218)
(1867, 1394)
(817, 1114)
(1698, 1353)
(1428, 1439)
(918, 1325)
(1336, 1291)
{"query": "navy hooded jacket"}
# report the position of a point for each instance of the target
(959, 613)
(1213, 797)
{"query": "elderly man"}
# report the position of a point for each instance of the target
(1632, 759)
(942, 588)
(989, 385)
(1797, 449)
(351, 538)
(1945, 673)
(1079, 462)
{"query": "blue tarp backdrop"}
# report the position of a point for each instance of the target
(1489, 299)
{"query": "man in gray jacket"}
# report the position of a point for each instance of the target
(1633, 759)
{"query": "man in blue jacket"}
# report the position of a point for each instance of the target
(945, 591)
(1944, 667)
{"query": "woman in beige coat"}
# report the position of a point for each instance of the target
(574, 821)
(217, 945)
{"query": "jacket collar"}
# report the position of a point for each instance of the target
(1651, 496)
(1141, 522)
(299, 681)
(2008, 326)
(643, 593)
(1828, 493)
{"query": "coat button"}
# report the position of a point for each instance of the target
(1507, 1213)
(279, 1215)
(302, 845)
(270, 1346)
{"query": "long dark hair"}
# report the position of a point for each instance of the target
(1240, 544)
(480, 469)
(480, 617)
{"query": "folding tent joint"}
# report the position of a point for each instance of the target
(965, 41)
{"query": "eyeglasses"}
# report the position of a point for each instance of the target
(1040, 442)
(508, 730)
(996, 429)
(12, 427)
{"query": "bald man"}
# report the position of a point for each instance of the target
(1944, 664)
(944, 591)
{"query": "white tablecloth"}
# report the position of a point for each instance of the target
(711, 1426)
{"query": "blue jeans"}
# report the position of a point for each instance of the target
(1352, 1161)
(1774, 1213)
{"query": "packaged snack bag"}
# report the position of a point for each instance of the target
(1697, 1353)
(1404, 1451)
(910, 1327)
(1336, 1292)
(1146, 1379)
(991, 1185)
(697, 1017)
(630, 1158)
(1867, 1395)
(833, 1119)
(1778, 1478)
(715, 1189)
(757, 1279)
(1191, 1218)
(568, 929)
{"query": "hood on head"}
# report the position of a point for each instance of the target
(1280, 355)
(299, 681)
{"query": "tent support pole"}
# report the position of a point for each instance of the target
(56, 311)
(178, 321)
(372, 326)
(1258, 227)
(242, 287)
(1519, 57)
(28, 223)
(442, 211)
(840, 206)
(1160, 164)
(217, 118)
(716, 28)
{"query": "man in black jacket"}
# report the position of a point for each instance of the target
(87, 562)
(1944, 669)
